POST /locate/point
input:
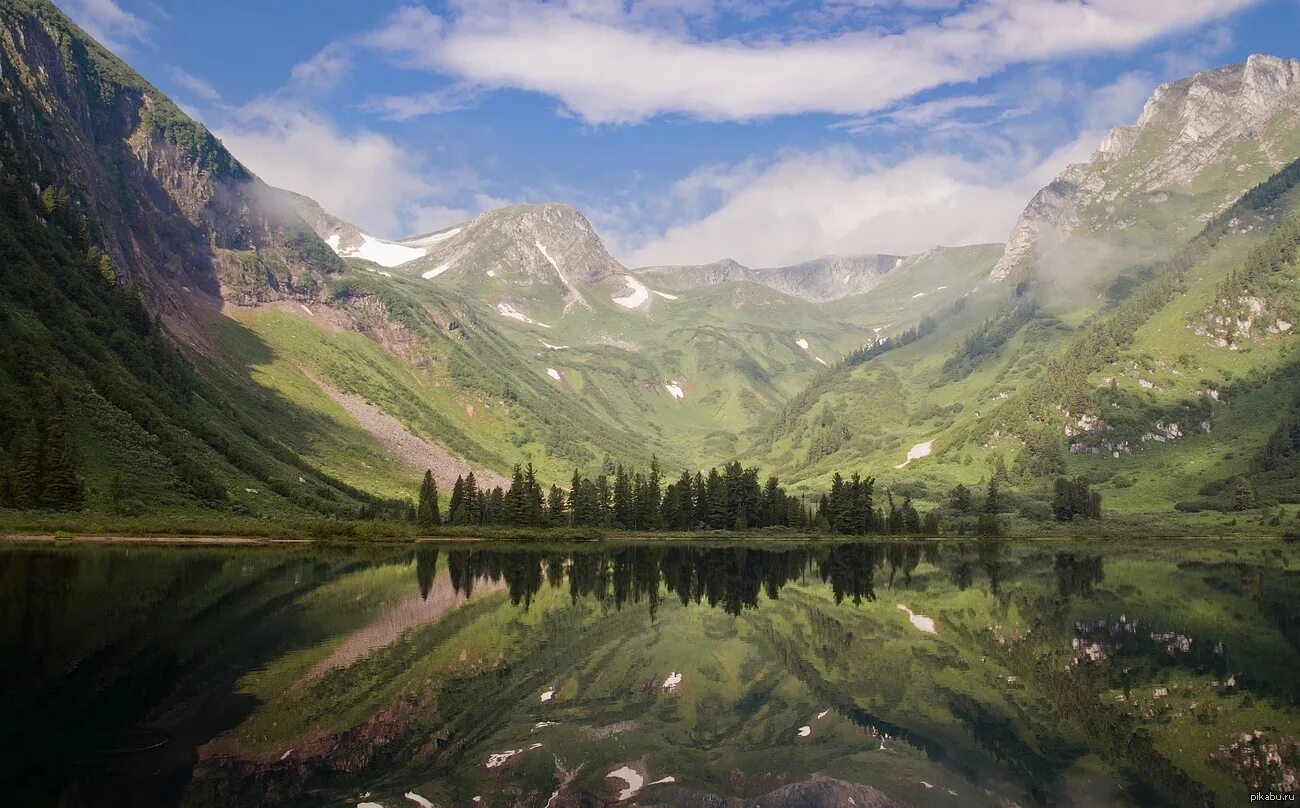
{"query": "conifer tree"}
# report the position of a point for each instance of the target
(1243, 494)
(456, 512)
(555, 507)
(61, 488)
(426, 565)
(25, 468)
(473, 501)
(534, 506)
(427, 514)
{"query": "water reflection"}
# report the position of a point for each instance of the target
(730, 578)
(913, 671)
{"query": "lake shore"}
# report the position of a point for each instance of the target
(548, 538)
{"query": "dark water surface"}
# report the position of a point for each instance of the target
(912, 673)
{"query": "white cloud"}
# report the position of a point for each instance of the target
(405, 107)
(324, 70)
(194, 85)
(838, 201)
(363, 177)
(843, 200)
(113, 26)
(608, 65)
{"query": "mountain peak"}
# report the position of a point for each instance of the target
(1236, 123)
(551, 243)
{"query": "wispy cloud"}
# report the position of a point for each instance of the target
(107, 21)
(607, 64)
(405, 107)
(323, 71)
(194, 85)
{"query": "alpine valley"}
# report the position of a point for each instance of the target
(181, 342)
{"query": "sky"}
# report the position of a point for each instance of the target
(767, 131)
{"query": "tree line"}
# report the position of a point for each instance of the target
(622, 498)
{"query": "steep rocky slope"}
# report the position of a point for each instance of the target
(1198, 145)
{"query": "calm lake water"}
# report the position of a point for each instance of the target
(914, 673)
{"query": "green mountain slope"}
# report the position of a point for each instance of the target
(1164, 393)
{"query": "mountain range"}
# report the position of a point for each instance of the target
(188, 339)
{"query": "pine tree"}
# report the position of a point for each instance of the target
(993, 500)
(456, 513)
(534, 506)
(555, 507)
(427, 514)
(960, 499)
(473, 501)
(653, 497)
(623, 512)
(700, 495)
(516, 498)
(910, 518)
(61, 488)
(25, 468)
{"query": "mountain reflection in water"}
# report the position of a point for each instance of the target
(887, 673)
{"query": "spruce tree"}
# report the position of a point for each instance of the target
(993, 500)
(473, 501)
(534, 506)
(456, 513)
(427, 514)
(62, 489)
(25, 468)
(555, 507)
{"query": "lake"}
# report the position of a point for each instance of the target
(867, 674)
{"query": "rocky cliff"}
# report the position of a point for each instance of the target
(1198, 145)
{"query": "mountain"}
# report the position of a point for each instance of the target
(1146, 344)
(1198, 145)
(126, 228)
(823, 279)
(179, 337)
(348, 241)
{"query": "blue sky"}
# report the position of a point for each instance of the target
(770, 131)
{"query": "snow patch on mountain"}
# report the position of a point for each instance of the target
(637, 297)
(507, 310)
(385, 253)
(573, 290)
(665, 295)
(435, 272)
(917, 452)
(802, 343)
(675, 390)
(554, 374)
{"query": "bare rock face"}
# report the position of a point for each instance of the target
(176, 214)
(1187, 129)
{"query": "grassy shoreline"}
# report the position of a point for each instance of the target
(221, 529)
